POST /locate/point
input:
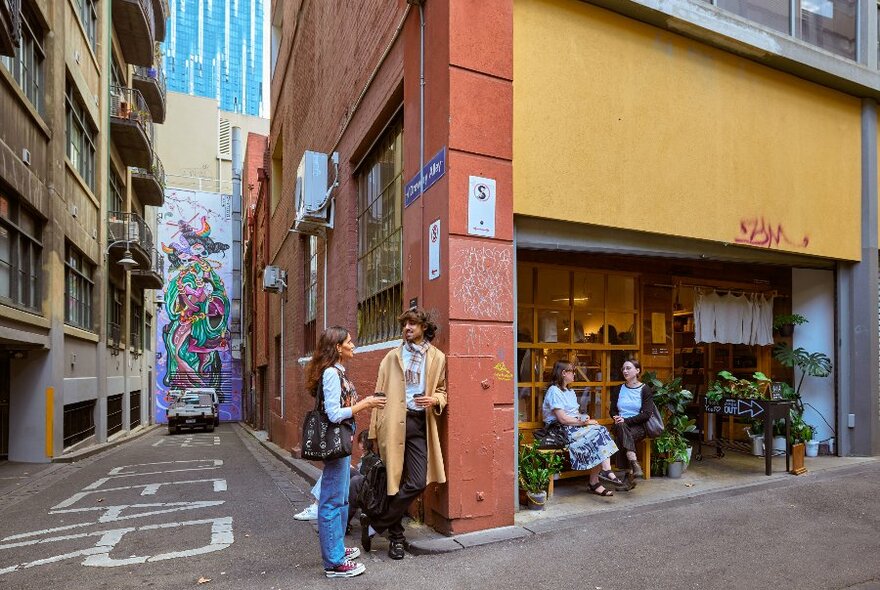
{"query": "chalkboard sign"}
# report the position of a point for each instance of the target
(776, 389)
(731, 406)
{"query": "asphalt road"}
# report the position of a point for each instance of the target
(166, 511)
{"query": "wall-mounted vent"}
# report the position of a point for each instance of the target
(26, 156)
(224, 139)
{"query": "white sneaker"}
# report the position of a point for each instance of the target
(310, 513)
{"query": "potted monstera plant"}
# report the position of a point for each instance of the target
(809, 364)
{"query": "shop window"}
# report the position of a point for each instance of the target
(81, 138)
(380, 205)
(79, 287)
(588, 318)
(310, 287)
(20, 254)
(26, 66)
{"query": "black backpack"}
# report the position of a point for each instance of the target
(373, 495)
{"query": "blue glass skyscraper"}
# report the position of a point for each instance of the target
(214, 49)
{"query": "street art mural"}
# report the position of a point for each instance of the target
(194, 342)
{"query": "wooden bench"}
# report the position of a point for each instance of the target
(643, 453)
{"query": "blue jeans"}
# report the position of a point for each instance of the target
(333, 510)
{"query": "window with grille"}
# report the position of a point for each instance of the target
(26, 66)
(79, 287)
(81, 138)
(21, 251)
(310, 295)
(88, 17)
(380, 239)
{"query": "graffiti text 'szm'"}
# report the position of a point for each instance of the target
(757, 231)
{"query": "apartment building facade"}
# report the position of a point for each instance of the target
(566, 185)
(82, 91)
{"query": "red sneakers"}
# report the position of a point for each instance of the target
(346, 569)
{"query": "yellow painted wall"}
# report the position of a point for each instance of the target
(621, 124)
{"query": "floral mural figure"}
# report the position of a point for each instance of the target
(198, 309)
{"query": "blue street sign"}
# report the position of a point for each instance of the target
(432, 172)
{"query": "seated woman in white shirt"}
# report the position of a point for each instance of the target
(590, 445)
(631, 407)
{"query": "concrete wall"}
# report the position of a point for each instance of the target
(187, 142)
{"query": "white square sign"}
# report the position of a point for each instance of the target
(434, 251)
(481, 207)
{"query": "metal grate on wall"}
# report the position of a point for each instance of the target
(79, 422)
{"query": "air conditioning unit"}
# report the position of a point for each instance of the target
(314, 207)
(273, 279)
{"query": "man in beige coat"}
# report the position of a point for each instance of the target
(413, 379)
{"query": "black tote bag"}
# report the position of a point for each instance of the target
(323, 440)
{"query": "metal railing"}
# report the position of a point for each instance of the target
(129, 104)
(13, 7)
(154, 72)
(156, 170)
(157, 265)
(130, 228)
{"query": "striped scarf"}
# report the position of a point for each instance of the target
(413, 372)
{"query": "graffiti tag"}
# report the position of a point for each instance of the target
(757, 231)
(502, 373)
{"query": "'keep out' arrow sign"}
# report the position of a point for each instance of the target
(749, 407)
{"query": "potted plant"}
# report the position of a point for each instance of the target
(785, 323)
(812, 364)
(726, 385)
(671, 447)
(801, 432)
(536, 468)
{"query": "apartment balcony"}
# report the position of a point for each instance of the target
(10, 26)
(151, 277)
(128, 232)
(151, 84)
(161, 12)
(149, 183)
(135, 26)
(131, 127)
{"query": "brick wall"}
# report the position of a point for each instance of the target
(317, 81)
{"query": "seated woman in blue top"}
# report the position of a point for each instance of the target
(631, 407)
(590, 445)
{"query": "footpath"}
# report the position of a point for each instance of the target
(572, 507)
